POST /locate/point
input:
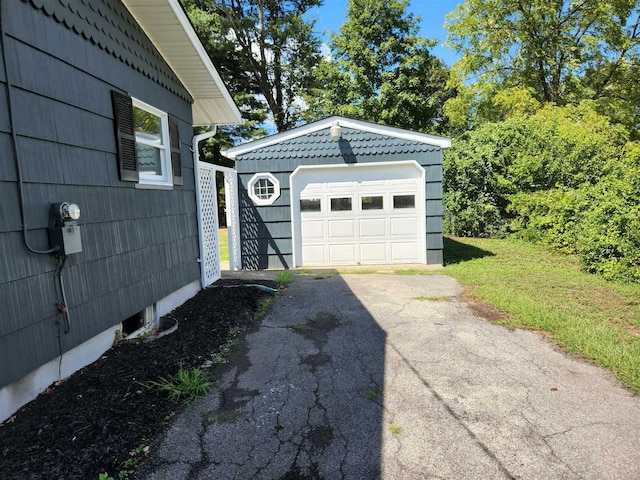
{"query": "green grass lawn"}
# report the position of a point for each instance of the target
(223, 238)
(544, 290)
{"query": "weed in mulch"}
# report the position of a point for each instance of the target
(91, 422)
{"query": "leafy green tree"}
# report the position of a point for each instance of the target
(561, 51)
(381, 70)
(267, 47)
(545, 45)
(209, 25)
(468, 108)
(558, 147)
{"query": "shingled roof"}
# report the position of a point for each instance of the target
(358, 138)
(320, 144)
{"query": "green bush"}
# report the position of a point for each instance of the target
(476, 219)
(549, 217)
(561, 177)
(599, 222)
(556, 148)
(609, 233)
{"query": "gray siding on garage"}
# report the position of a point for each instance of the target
(138, 245)
(266, 230)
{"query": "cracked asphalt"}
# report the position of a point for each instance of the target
(397, 377)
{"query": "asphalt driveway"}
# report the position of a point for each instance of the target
(399, 377)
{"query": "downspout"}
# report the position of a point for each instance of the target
(196, 173)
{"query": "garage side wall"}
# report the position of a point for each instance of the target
(266, 231)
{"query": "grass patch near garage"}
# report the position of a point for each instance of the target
(543, 290)
(223, 238)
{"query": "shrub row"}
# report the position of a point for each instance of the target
(564, 176)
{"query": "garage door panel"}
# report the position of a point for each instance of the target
(373, 253)
(404, 182)
(314, 254)
(342, 228)
(404, 252)
(370, 214)
(377, 184)
(340, 186)
(404, 226)
(373, 227)
(342, 254)
(313, 230)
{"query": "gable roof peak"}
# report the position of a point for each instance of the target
(327, 123)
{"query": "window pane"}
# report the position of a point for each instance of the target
(147, 124)
(340, 204)
(404, 201)
(371, 203)
(148, 159)
(309, 204)
(263, 189)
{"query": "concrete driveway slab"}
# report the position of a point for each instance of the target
(384, 376)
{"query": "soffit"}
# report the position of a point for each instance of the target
(167, 26)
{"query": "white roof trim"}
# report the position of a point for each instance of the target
(167, 26)
(434, 140)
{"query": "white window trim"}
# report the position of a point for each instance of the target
(166, 179)
(264, 176)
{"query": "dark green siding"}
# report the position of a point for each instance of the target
(266, 230)
(139, 245)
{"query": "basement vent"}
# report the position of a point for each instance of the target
(133, 323)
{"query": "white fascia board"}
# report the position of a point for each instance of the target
(234, 152)
(434, 140)
(166, 24)
(206, 97)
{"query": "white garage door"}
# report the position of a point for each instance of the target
(360, 214)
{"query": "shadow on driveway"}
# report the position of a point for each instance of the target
(368, 376)
(302, 398)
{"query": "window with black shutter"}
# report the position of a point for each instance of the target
(125, 137)
(176, 159)
(148, 142)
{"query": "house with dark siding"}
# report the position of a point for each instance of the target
(340, 192)
(98, 208)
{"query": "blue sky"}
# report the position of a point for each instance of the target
(332, 14)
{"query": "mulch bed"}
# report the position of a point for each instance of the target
(92, 422)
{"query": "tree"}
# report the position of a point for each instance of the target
(562, 51)
(557, 147)
(381, 70)
(209, 25)
(272, 45)
(545, 45)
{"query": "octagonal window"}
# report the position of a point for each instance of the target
(264, 188)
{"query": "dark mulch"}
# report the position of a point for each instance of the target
(91, 422)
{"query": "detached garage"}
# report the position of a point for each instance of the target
(340, 192)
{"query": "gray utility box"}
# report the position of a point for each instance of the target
(67, 238)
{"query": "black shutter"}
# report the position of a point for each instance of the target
(176, 159)
(125, 137)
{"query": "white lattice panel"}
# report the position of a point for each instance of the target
(208, 224)
(233, 221)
